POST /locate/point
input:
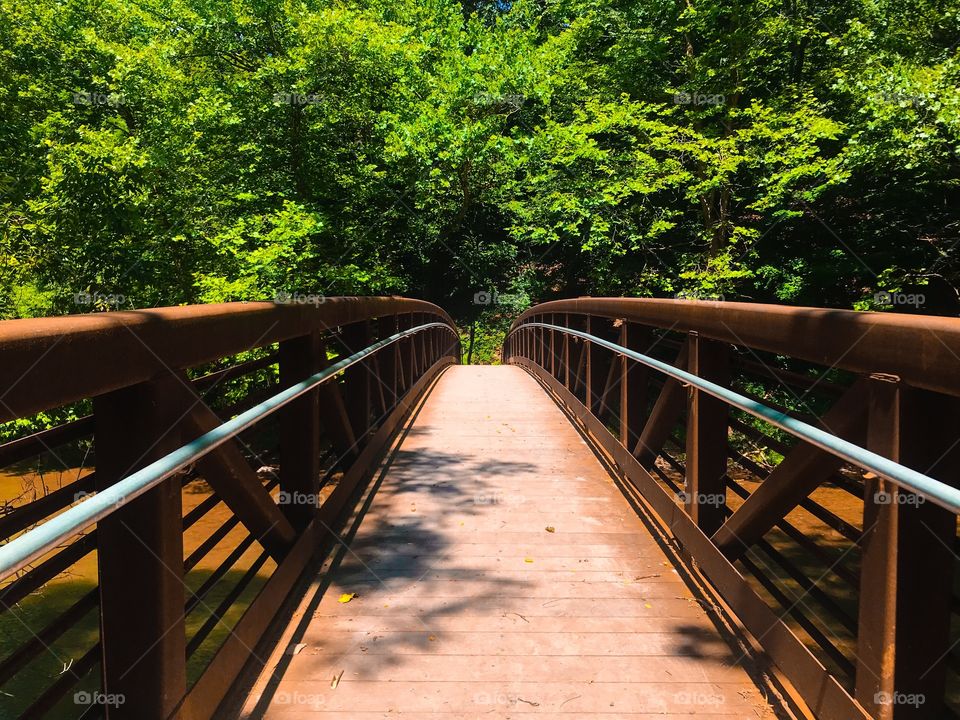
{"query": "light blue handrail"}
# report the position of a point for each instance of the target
(34, 543)
(934, 490)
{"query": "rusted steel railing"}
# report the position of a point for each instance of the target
(843, 576)
(181, 577)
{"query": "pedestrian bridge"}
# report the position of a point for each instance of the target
(653, 508)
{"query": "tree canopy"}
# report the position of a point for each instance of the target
(158, 152)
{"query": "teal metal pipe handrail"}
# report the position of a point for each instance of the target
(34, 543)
(934, 490)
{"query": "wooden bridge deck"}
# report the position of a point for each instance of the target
(498, 571)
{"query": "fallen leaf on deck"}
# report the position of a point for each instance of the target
(294, 649)
(336, 680)
(551, 528)
(432, 638)
(347, 597)
(528, 560)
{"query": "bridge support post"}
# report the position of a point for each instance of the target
(906, 578)
(300, 430)
(140, 556)
(603, 368)
(357, 379)
(414, 368)
(333, 414)
(634, 377)
(565, 362)
(537, 336)
(580, 358)
(387, 326)
(543, 346)
(404, 368)
(706, 467)
(553, 347)
(666, 413)
(422, 339)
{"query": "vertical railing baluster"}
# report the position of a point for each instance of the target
(907, 557)
(140, 555)
(357, 379)
(300, 429)
(587, 365)
(415, 319)
(601, 361)
(553, 347)
(387, 326)
(402, 353)
(633, 384)
(706, 464)
(334, 418)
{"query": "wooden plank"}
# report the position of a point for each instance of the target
(826, 697)
(364, 465)
(140, 555)
(210, 690)
(550, 594)
(798, 474)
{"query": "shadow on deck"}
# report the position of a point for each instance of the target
(493, 569)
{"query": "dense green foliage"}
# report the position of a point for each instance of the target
(157, 152)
